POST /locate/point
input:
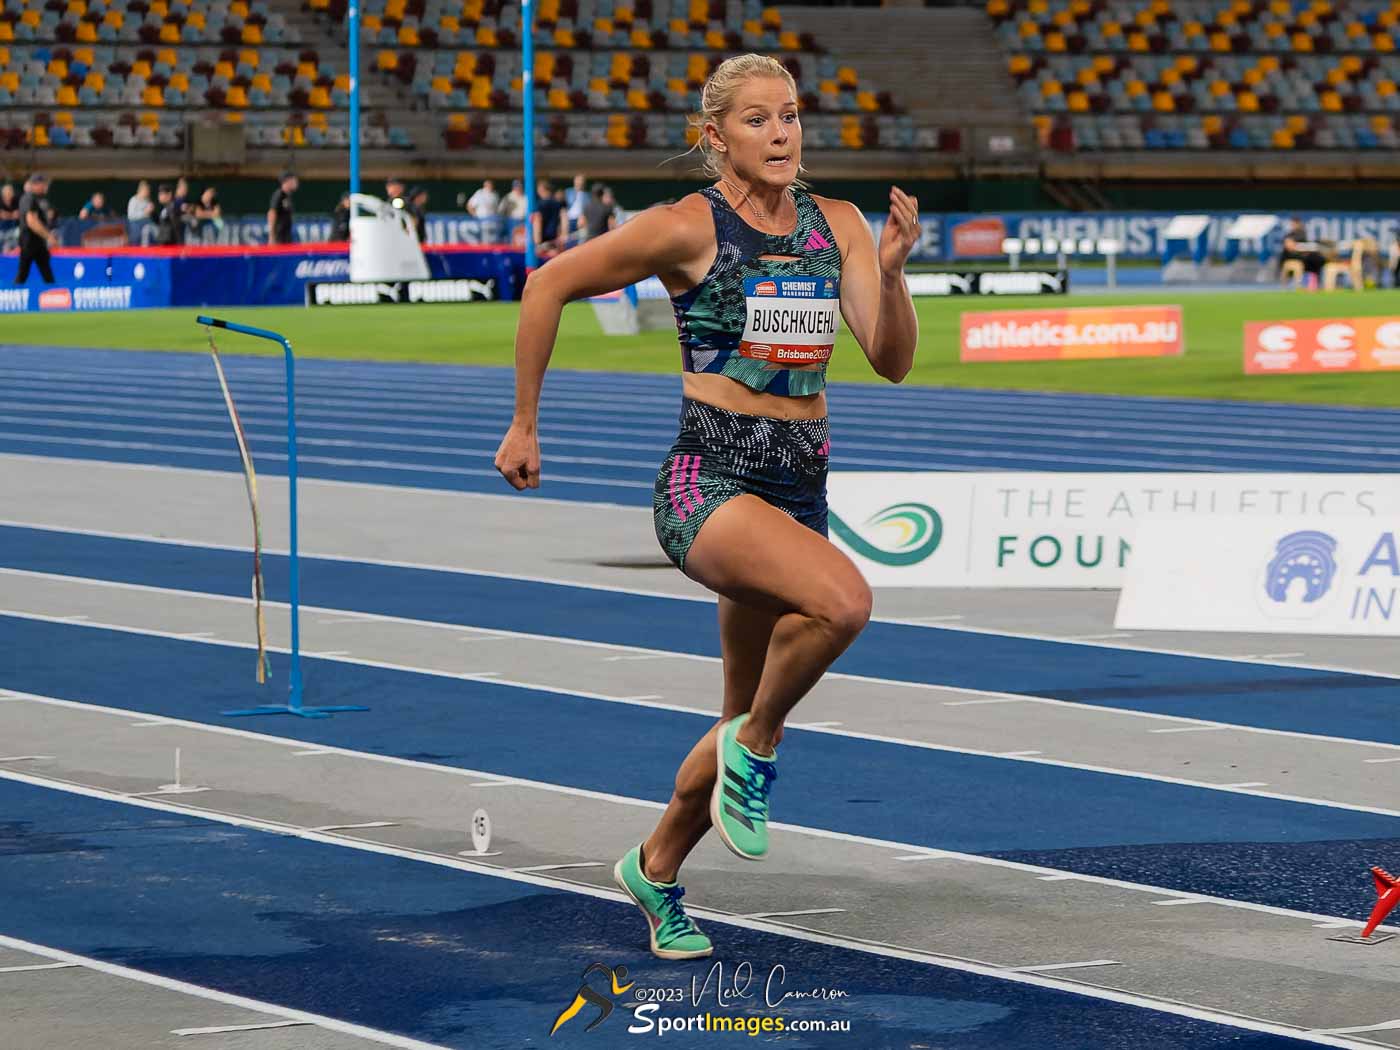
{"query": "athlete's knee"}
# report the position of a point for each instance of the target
(845, 611)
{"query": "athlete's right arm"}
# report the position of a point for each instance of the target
(663, 240)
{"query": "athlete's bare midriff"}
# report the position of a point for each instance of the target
(733, 396)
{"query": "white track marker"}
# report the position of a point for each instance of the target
(175, 788)
(983, 703)
(1019, 754)
(1189, 729)
(560, 867)
(932, 619)
(240, 1028)
(38, 966)
(1172, 901)
(648, 656)
(331, 652)
(1384, 1026)
(150, 722)
(1063, 966)
(491, 783)
(793, 914)
(1247, 784)
(930, 855)
(356, 827)
(1377, 761)
(1281, 656)
(1057, 878)
(27, 758)
(814, 725)
(313, 751)
(481, 837)
(1094, 637)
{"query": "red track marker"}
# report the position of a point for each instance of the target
(1388, 890)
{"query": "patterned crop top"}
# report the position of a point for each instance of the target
(768, 323)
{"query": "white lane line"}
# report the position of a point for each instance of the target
(26, 758)
(312, 751)
(705, 598)
(1057, 878)
(792, 914)
(38, 966)
(913, 850)
(222, 1029)
(932, 854)
(814, 725)
(1094, 637)
(983, 703)
(327, 653)
(1173, 901)
(1247, 784)
(1281, 656)
(343, 619)
(1018, 754)
(645, 656)
(933, 619)
(1046, 967)
(561, 867)
(1340, 924)
(1377, 761)
(1190, 729)
(1097, 710)
(170, 984)
(583, 889)
(150, 722)
(356, 827)
(709, 714)
(1384, 1026)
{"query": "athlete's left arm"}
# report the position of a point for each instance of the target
(874, 298)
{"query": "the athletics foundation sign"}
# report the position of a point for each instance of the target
(936, 529)
(1295, 575)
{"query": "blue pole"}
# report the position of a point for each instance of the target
(527, 78)
(354, 27)
(294, 693)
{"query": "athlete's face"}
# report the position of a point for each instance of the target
(761, 135)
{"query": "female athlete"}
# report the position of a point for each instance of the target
(757, 268)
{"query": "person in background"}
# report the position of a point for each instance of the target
(36, 232)
(340, 219)
(485, 205)
(95, 209)
(279, 210)
(169, 229)
(418, 208)
(548, 220)
(184, 210)
(575, 197)
(393, 192)
(208, 216)
(138, 208)
(1309, 253)
(597, 215)
(9, 203)
(513, 203)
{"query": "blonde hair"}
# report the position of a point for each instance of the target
(717, 99)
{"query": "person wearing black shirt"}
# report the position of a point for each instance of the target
(393, 192)
(279, 211)
(36, 229)
(169, 229)
(340, 219)
(418, 210)
(549, 212)
(597, 215)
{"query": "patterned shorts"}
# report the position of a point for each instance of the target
(721, 454)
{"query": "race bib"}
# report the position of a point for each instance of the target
(790, 322)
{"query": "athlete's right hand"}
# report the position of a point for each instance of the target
(518, 458)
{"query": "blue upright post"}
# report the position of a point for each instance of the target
(294, 704)
(353, 25)
(527, 79)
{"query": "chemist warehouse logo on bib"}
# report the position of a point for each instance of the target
(899, 535)
(766, 288)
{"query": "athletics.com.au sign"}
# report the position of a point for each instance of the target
(1077, 332)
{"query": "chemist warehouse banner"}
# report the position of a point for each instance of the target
(933, 529)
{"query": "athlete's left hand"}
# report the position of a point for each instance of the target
(900, 233)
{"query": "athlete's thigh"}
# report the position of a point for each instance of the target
(756, 555)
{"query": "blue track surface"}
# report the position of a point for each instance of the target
(1246, 693)
(1185, 838)
(468, 960)
(439, 426)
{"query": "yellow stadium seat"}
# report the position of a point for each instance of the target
(1253, 77)
(30, 17)
(1171, 77)
(1055, 41)
(248, 56)
(867, 102)
(1385, 88)
(479, 97)
(1355, 30)
(252, 34)
(1086, 77)
(317, 120)
(320, 98)
(1212, 124)
(386, 61)
(1135, 88)
(449, 23)
(159, 8)
(237, 98)
(846, 76)
(39, 136)
(1027, 28)
(1104, 65)
(1218, 88)
(1063, 18)
(772, 17)
(149, 119)
(66, 95)
(1018, 64)
(342, 81)
(1297, 123)
(697, 69)
(142, 69)
(1081, 8)
(181, 81)
(549, 11)
(602, 25)
(233, 116)
(1137, 42)
(850, 133)
(637, 99)
(294, 136)
(221, 69)
(753, 27)
(457, 121)
(306, 69)
(471, 10)
(1269, 63)
(1383, 42)
(714, 38)
(788, 40)
(1160, 7)
(319, 5)
(1185, 64)
(408, 36)
(598, 85)
(1302, 42)
(238, 8)
(86, 33)
(486, 36)
(9, 81)
(1306, 19)
(372, 23)
(829, 87)
(1380, 123)
(559, 98)
(1038, 7)
(623, 16)
(96, 81)
(544, 67)
(1388, 18)
(466, 65)
(1078, 102)
(1145, 19)
(1112, 29)
(1163, 102)
(195, 19)
(113, 19)
(169, 33)
(1220, 42)
(1331, 102)
(564, 38)
(1193, 29)
(152, 96)
(1273, 30)
(517, 83)
(1227, 20)
(75, 9)
(5, 57)
(58, 67)
(998, 8)
(1351, 64)
(1282, 8)
(677, 86)
(1336, 75)
(1050, 87)
(641, 38)
(442, 85)
(63, 118)
(621, 68)
(1247, 101)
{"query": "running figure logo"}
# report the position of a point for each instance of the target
(587, 994)
(908, 533)
(1303, 565)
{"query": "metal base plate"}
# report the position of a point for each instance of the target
(1356, 938)
(300, 712)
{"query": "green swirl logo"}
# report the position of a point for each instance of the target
(904, 534)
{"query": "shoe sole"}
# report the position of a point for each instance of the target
(717, 799)
(660, 953)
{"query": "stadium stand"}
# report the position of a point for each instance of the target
(1205, 75)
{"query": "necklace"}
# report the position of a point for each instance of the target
(759, 213)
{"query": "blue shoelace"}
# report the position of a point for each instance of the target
(758, 785)
(675, 922)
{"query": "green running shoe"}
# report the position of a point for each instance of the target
(674, 934)
(739, 804)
